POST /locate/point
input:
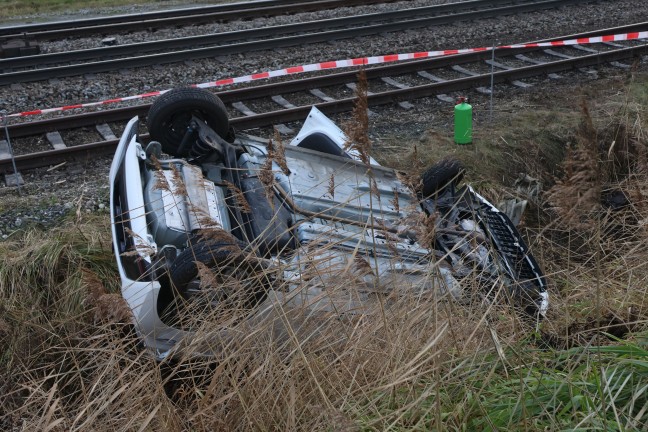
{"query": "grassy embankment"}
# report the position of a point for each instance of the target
(403, 362)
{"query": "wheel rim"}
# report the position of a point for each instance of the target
(178, 123)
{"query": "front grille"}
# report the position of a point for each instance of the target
(511, 247)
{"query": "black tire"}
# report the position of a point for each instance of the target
(236, 284)
(169, 116)
(441, 175)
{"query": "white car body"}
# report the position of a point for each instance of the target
(147, 220)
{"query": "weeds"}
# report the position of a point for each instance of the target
(345, 353)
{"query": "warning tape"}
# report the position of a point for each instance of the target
(337, 64)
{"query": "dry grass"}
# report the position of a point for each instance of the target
(396, 359)
(343, 353)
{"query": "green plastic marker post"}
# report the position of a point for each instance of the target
(463, 122)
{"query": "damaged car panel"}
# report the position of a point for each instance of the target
(288, 220)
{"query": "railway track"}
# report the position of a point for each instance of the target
(427, 78)
(174, 18)
(145, 54)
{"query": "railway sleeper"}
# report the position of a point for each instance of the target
(442, 96)
(516, 83)
(283, 102)
(593, 51)
(320, 94)
(463, 70)
(353, 87)
(554, 53)
(536, 62)
(106, 132)
(245, 110)
(5, 151)
(392, 82)
(56, 140)
(14, 179)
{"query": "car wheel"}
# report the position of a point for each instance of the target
(441, 175)
(216, 282)
(170, 115)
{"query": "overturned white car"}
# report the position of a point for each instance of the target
(226, 226)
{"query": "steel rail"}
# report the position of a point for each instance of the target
(140, 48)
(391, 96)
(34, 160)
(247, 93)
(174, 17)
(19, 130)
(282, 42)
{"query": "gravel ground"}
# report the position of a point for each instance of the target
(83, 187)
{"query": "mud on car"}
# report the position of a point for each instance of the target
(208, 223)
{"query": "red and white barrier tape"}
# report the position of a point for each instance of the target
(337, 64)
